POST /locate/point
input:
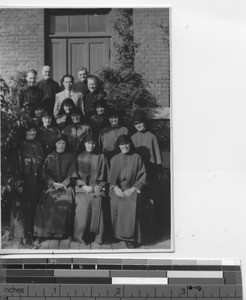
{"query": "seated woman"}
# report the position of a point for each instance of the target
(64, 116)
(28, 161)
(76, 132)
(54, 214)
(127, 176)
(90, 191)
(108, 136)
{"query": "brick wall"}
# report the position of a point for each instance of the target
(22, 40)
(152, 57)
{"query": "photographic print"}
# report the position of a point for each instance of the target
(85, 130)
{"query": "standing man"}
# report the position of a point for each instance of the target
(68, 92)
(30, 96)
(81, 85)
(50, 88)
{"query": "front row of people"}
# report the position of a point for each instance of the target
(84, 197)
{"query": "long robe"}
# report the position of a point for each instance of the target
(30, 97)
(29, 159)
(50, 88)
(147, 147)
(107, 140)
(92, 170)
(98, 123)
(76, 134)
(47, 136)
(89, 103)
(126, 171)
(54, 214)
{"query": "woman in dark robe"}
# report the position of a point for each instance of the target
(127, 176)
(54, 214)
(47, 134)
(108, 136)
(76, 132)
(90, 192)
(147, 147)
(99, 120)
(29, 158)
(64, 115)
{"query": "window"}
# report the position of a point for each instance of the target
(86, 21)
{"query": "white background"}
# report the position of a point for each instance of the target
(209, 125)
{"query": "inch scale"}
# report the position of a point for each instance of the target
(126, 279)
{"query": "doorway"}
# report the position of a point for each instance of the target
(77, 38)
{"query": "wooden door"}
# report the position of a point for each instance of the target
(58, 58)
(92, 53)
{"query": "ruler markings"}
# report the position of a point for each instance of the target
(195, 274)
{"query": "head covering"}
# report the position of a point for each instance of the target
(29, 125)
(114, 112)
(76, 111)
(61, 137)
(100, 103)
(90, 138)
(123, 139)
(46, 115)
(68, 101)
(140, 117)
(39, 107)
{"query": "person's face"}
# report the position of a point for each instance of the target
(82, 75)
(31, 79)
(114, 121)
(68, 83)
(38, 113)
(46, 121)
(140, 126)
(100, 110)
(90, 146)
(67, 108)
(60, 146)
(75, 119)
(125, 148)
(46, 73)
(31, 134)
(92, 85)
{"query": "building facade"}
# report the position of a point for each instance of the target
(69, 38)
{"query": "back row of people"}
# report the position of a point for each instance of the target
(46, 93)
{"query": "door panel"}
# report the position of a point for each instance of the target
(68, 54)
(77, 55)
(58, 58)
(98, 54)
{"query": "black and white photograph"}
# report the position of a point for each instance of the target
(86, 135)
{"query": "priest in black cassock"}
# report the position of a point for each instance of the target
(50, 88)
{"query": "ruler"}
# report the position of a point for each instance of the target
(126, 279)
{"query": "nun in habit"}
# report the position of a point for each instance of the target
(54, 214)
(28, 161)
(127, 176)
(90, 193)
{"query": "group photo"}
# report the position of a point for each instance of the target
(86, 130)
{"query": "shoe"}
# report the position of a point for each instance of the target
(98, 241)
(26, 242)
(132, 245)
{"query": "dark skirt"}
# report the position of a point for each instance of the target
(54, 214)
(88, 214)
(132, 218)
(23, 209)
